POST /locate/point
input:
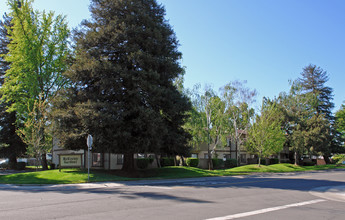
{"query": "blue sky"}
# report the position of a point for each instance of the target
(266, 42)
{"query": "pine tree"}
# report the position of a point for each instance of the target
(313, 82)
(123, 93)
(321, 125)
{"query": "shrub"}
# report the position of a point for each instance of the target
(263, 162)
(274, 160)
(217, 163)
(286, 161)
(230, 163)
(308, 163)
(21, 165)
(338, 158)
(143, 163)
(52, 166)
(192, 162)
(167, 161)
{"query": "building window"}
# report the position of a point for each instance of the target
(206, 156)
(194, 156)
(119, 159)
(97, 159)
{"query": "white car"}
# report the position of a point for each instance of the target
(3, 163)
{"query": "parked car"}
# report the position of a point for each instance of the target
(3, 163)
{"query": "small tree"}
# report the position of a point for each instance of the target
(266, 137)
(237, 99)
(33, 131)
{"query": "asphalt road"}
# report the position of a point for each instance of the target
(309, 195)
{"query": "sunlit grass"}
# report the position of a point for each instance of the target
(68, 176)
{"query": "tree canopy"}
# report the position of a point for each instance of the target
(123, 76)
(38, 55)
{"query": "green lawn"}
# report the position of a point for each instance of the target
(67, 176)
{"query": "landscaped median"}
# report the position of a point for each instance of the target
(68, 176)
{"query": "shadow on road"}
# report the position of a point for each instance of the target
(297, 182)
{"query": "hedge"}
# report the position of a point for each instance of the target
(167, 161)
(143, 163)
(192, 162)
(230, 163)
(217, 163)
(21, 165)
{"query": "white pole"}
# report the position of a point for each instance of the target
(88, 164)
(89, 147)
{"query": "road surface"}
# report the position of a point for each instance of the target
(307, 195)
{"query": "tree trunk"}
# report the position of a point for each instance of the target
(295, 158)
(210, 165)
(128, 162)
(12, 161)
(183, 161)
(326, 158)
(44, 161)
(158, 161)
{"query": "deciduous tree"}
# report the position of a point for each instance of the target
(38, 53)
(11, 145)
(266, 136)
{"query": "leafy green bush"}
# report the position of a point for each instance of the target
(192, 162)
(52, 166)
(21, 165)
(338, 158)
(286, 161)
(308, 163)
(230, 163)
(217, 163)
(143, 163)
(167, 161)
(263, 162)
(274, 160)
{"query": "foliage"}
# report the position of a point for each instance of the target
(192, 162)
(338, 158)
(167, 161)
(266, 137)
(238, 99)
(217, 163)
(38, 53)
(11, 145)
(230, 163)
(143, 163)
(32, 133)
(207, 121)
(123, 90)
(21, 165)
(313, 82)
(340, 120)
(274, 161)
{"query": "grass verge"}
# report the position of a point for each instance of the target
(68, 176)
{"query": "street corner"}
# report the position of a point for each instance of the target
(335, 193)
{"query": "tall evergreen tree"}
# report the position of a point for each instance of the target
(123, 93)
(10, 144)
(313, 82)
